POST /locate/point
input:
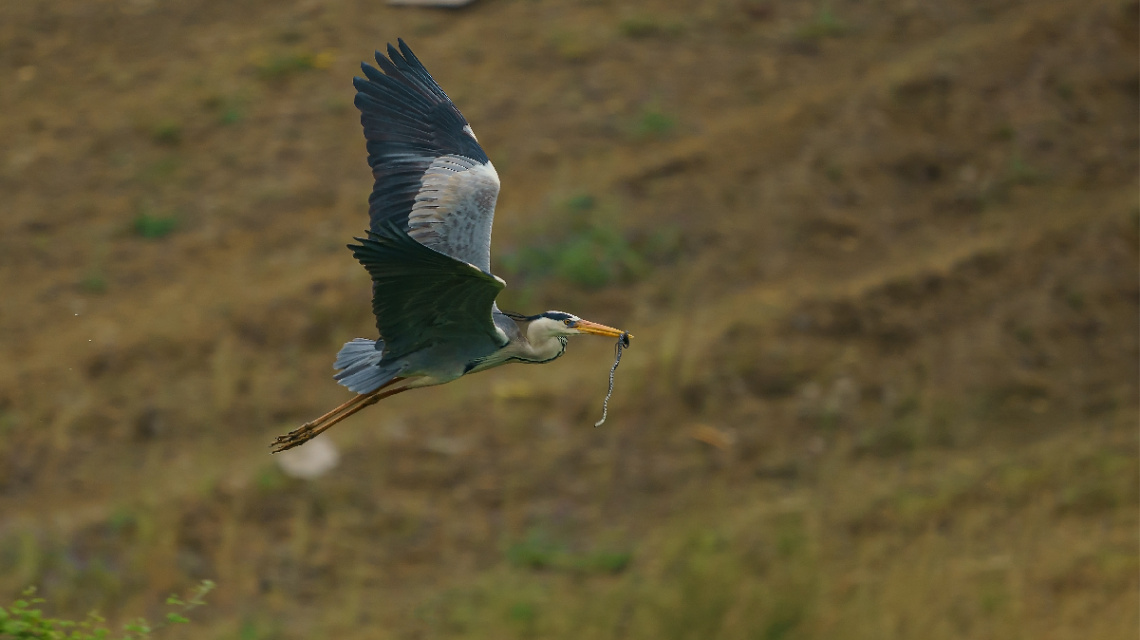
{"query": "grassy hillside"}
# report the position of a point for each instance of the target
(880, 258)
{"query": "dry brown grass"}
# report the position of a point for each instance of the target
(881, 262)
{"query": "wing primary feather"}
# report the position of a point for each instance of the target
(413, 131)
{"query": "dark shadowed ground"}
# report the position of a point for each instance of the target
(880, 259)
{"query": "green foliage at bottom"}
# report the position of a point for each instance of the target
(23, 621)
(754, 579)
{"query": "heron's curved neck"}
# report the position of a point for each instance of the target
(543, 347)
(540, 345)
(534, 339)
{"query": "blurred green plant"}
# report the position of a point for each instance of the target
(645, 26)
(152, 226)
(896, 437)
(227, 109)
(581, 203)
(653, 123)
(8, 421)
(638, 27)
(291, 34)
(535, 551)
(161, 170)
(93, 281)
(1074, 299)
(280, 67)
(232, 114)
(784, 620)
(269, 479)
(167, 133)
(1021, 172)
(1102, 485)
(825, 24)
(523, 612)
(23, 621)
(121, 519)
(573, 46)
(538, 551)
(590, 256)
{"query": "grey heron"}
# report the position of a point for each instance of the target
(428, 251)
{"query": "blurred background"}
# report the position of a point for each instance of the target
(880, 259)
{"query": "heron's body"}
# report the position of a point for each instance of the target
(362, 360)
(428, 250)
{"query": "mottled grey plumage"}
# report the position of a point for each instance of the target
(428, 250)
(431, 176)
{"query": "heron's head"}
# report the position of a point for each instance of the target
(558, 324)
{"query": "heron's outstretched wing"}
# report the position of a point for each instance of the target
(421, 296)
(433, 179)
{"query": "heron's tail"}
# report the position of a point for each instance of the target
(361, 365)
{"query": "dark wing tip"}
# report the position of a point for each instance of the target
(408, 121)
(408, 55)
(386, 232)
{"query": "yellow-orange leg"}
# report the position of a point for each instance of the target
(346, 405)
(314, 428)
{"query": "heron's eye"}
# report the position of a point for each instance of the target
(568, 322)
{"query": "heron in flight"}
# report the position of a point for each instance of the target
(428, 250)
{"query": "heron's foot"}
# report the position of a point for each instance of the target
(310, 430)
(296, 437)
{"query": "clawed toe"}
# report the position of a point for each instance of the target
(294, 438)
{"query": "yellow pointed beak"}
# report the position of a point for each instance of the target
(585, 326)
